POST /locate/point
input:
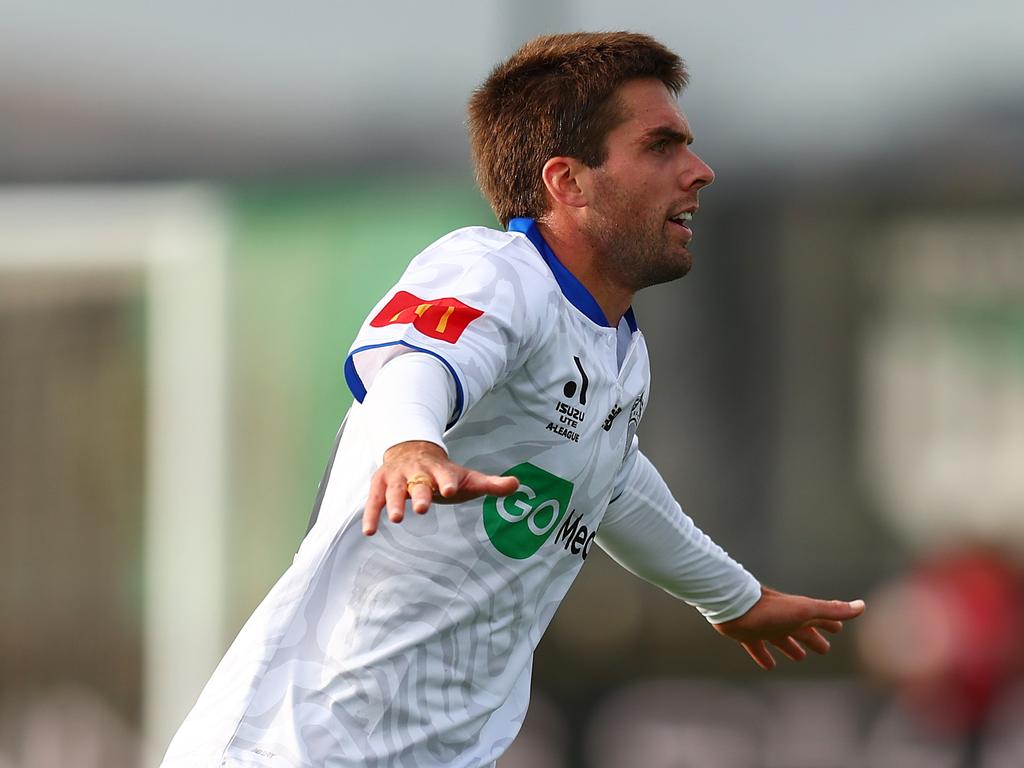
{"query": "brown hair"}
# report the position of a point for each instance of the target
(555, 97)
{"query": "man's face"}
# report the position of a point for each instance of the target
(636, 198)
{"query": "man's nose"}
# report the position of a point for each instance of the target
(698, 174)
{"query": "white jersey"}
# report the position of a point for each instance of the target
(414, 647)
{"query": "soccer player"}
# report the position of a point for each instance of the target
(499, 386)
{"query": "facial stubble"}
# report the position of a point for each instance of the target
(632, 244)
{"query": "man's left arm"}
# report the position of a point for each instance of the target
(646, 531)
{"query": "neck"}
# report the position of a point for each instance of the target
(578, 256)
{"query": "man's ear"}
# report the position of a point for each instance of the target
(562, 179)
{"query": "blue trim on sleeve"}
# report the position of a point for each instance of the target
(359, 389)
(572, 288)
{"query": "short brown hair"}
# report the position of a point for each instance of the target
(552, 98)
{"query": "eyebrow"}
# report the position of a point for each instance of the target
(665, 132)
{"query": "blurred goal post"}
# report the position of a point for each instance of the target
(172, 242)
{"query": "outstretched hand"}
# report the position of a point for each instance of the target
(789, 622)
(421, 471)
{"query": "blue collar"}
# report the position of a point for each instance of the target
(572, 288)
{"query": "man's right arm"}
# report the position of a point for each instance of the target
(410, 402)
(467, 311)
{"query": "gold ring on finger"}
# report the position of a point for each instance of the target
(420, 479)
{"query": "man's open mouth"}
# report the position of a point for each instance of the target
(682, 220)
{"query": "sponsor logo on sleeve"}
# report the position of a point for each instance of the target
(444, 319)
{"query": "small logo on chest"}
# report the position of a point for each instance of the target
(607, 425)
(637, 411)
(569, 416)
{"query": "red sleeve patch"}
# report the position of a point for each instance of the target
(443, 319)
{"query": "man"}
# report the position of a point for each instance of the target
(501, 380)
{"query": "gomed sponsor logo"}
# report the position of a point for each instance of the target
(518, 524)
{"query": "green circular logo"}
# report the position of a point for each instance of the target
(519, 523)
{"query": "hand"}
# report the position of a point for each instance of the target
(421, 471)
(786, 621)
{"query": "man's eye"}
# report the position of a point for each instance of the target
(660, 145)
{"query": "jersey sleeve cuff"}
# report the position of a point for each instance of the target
(367, 360)
(747, 597)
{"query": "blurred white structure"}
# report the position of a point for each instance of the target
(169, 244)
(943, 397)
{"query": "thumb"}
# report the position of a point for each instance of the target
(498, 485)
(837, 610)
(475, 484)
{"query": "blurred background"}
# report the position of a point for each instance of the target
(199, 204)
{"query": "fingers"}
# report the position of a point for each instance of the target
(390, 489)
(826, 624)
(421, 494)
(374, 501)
(792, 623)
(759, 653)
(447, 482)
(424, 483)
(813, 639)
(791, 648)
(396, 494)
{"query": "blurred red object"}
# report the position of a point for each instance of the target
(949, 636)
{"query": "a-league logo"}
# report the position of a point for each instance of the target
(518, 524)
